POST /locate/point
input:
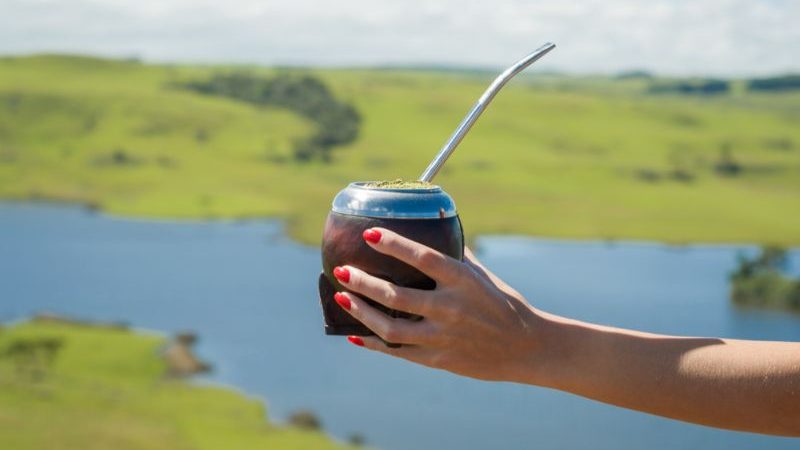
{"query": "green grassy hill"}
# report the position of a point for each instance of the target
(559, 157)
(105, 389)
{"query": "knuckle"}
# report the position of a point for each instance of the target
(392, 297)
(382, 328)
(392, 333)
(428, 259)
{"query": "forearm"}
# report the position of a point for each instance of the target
(476, 325)
(743, 385)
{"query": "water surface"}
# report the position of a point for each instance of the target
(251, 295)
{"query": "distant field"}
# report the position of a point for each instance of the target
(554, 156)
(105, 390)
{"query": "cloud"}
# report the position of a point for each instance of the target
(727, 37)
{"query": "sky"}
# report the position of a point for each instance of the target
(673, 37)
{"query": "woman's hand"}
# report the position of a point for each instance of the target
(474, 324)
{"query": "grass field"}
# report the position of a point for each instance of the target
(105, 389)
(556, 157)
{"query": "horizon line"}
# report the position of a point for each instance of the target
(410, 66)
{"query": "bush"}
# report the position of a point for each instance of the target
(780, 143)
(783, 83)
(691, 87)
(726, 165)
(793, 297)
(118, 157)
(356, 440)
(770, 259)
(760, 282)
(680, 165)
(647, 175)
(306, 420)
(337, 122)
(634, 74)
(33, 357)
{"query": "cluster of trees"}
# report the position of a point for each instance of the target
(337, 122)
(684, 169)
(33, 357)
(704, 86)
(308, 420)
(761, 281)
(713, 86)
(634, 74)
(783, 83)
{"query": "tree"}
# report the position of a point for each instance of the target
(337, 122)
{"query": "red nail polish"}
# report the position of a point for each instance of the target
(355, 340)
(371, 235)
(341, 274)
(342, 300)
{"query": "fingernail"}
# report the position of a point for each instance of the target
(355, 340)
(342, 300)
(371, 235)
(341, 274)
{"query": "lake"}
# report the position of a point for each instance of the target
(251, 295)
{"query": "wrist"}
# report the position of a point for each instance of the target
(551, 357)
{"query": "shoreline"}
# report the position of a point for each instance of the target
(235, 356)
(174, 369)
(284, 230)
(177, 352)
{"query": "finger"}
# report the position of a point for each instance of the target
(435, 264)
(414, 301)
(469, 255)
(480, 269)
(472, 261)
(390, 329)
(413, 353)
(469, 258)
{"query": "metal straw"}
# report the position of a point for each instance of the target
(476, 110)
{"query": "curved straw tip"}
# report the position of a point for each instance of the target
(475, 112)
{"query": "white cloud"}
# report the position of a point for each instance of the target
(731, 37)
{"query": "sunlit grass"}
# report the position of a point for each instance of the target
(590, 158)
(106, 389)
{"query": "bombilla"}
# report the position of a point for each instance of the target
(477, 109)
